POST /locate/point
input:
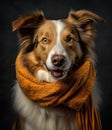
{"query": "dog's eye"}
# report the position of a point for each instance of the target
(45, 40)
(70, 39)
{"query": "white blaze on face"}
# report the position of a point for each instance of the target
(58, 47)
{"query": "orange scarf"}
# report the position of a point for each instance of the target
(73, 92)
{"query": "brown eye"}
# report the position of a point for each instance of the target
(70, 39)
(45, 40)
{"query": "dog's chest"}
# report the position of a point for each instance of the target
(38, 118)
(51, 120)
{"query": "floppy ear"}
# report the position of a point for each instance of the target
(26, 24)
(84, 20)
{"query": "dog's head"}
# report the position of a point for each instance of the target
(56, 45)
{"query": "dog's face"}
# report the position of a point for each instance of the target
(58, 47)
(55, 45)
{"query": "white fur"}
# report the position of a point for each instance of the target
(39, 118)
(58, 49)
(43, 75)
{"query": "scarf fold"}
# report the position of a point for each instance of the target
(73, 92)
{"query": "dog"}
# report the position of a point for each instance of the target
(51, 48)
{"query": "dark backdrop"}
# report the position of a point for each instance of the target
(11, 9)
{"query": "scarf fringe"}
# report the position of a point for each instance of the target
(88, 117)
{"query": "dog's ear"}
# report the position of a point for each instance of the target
(85, 22)
(28, 21)
(85, 17)
(26, 24)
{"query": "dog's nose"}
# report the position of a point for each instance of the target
(58, 60)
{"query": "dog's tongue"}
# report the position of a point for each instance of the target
(57, 73)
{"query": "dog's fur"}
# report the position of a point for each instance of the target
(51, 48)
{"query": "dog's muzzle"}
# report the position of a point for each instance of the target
(58, 61)
(57, 66)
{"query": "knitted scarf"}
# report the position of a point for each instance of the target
(73, 92)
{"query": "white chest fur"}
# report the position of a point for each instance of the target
(38, 118)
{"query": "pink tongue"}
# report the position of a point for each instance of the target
(57, 73)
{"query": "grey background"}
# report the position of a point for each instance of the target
(53, 9)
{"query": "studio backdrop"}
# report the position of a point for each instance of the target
(53, 9)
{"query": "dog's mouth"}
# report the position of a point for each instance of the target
(57, 73)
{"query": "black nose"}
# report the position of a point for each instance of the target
(58, 60)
